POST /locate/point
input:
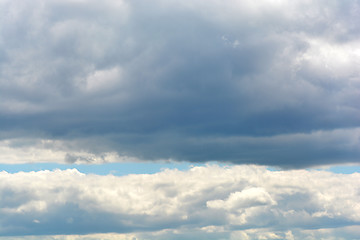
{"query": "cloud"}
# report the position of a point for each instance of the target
(322, 148)
(171, 80)
(326, 234)
(222, 202)
(47, 150)
(244, 199)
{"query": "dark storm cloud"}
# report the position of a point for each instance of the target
(267, 83)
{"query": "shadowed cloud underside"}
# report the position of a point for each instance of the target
(271, 82)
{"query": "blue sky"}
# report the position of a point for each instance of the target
(121, 169)
(194, 110)
(117, 169)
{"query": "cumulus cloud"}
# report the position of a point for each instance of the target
(171, 80)
(244, 199)
(211, 202)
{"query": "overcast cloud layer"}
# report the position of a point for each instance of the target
(265, 82)
(241, 202)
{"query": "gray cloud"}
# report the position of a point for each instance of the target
(193, 81)
(212, 201)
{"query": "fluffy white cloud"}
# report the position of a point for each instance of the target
(246, 198)
(211, 202)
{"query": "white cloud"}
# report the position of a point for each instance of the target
(35, 150)
(203, 200)
(247, 198)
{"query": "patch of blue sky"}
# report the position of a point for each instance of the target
(122, 169)
(117, 169)
(343, 169)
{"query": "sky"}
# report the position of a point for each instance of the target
(164, 119)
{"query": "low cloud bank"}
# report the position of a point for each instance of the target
(212, 201)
